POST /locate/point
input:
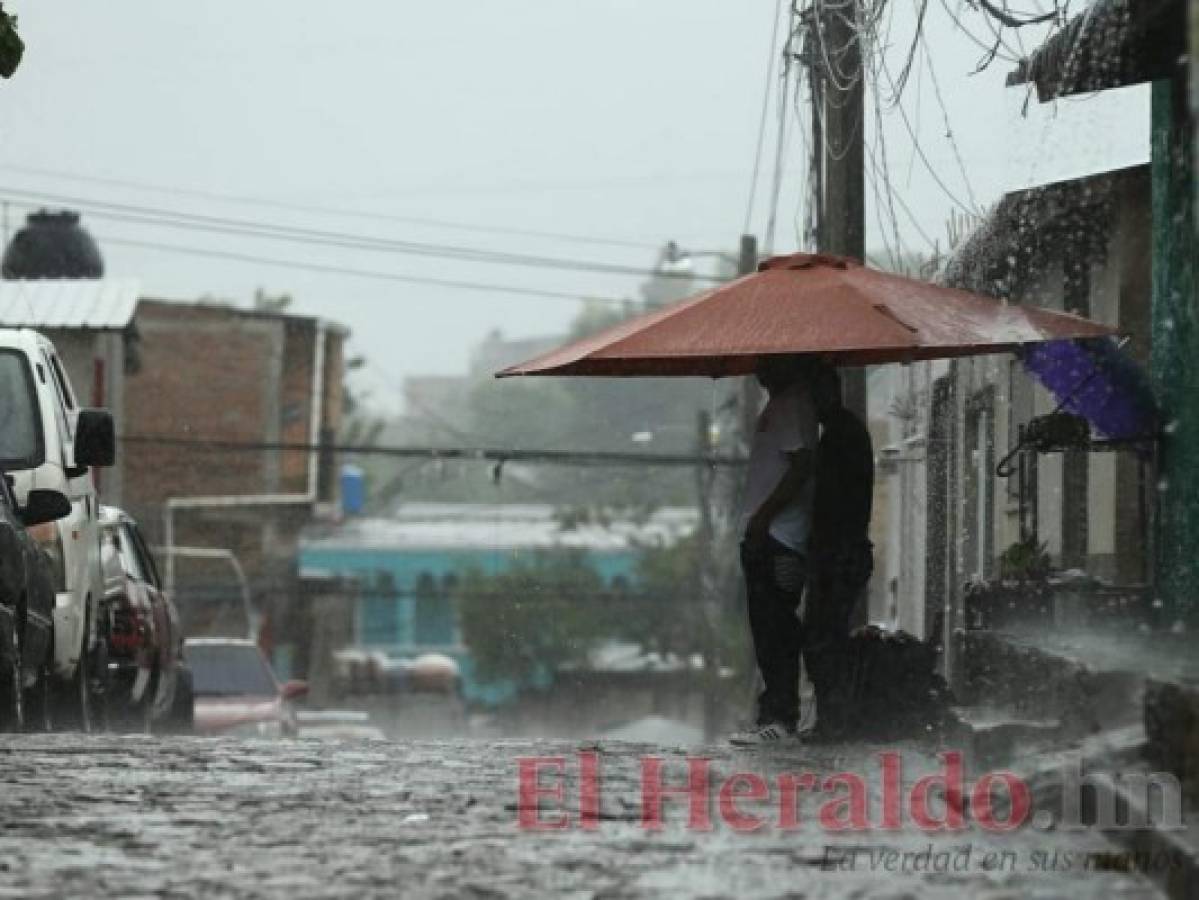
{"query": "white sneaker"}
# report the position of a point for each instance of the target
(762, 734)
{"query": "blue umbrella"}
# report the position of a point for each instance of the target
(1095, 379)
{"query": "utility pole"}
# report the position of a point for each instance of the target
(833, 53)
(750, 396)
(707, 573)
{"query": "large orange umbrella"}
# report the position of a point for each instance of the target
(834, 307)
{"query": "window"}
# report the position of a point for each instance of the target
(64, 403)
(22, 445)
(128, 552)
(64, 384)
(228, 670)
(145, 557)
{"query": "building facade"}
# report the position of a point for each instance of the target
(407, 566)
(225, 444)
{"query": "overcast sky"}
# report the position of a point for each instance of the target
(624, 120)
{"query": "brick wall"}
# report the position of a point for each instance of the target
(217, 373)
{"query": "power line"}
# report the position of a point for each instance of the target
(991, 52)
(932, 170)
(773, 55)
(781, 138)
(161, 217)
(331, 210)
(476, 454)
(957, 155)
(361, 273)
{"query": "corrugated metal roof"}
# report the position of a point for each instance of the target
(102, 303)
(497, 527)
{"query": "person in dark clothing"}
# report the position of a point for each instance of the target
(841, 556)
(775, 524)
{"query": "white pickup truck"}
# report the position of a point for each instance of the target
(48, 442)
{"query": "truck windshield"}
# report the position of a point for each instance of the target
(20, 430)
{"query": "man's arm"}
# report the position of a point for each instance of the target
(788, 488)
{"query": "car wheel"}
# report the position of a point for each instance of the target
(182, 717)
(12, 701)
(38, 703)
(99, 684)
(124, 714)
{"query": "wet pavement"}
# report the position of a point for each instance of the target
(134, 816)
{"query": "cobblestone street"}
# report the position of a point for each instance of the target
(129, 816)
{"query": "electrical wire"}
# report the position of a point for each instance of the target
(916, 146)
(359, 273)
(905, 73)
(772, 56)
(476, 454)
(328, 210)
(161, 217)
(957, 155)
(989, 50)
(781, 139)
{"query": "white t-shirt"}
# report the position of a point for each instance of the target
(787, 424)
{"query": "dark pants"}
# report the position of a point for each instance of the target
(774, 582)
(839, 575)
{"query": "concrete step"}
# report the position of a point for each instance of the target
(1116, 771)
(997, 735)
(1172, 732)
(1028, 683)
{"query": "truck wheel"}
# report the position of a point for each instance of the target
(72, 699)
(12, 703)
(73, 702)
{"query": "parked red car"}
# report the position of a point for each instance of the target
(237, 692)
(148, 684)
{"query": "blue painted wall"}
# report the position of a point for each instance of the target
(402, 618)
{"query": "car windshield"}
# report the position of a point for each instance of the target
(222, 670)
(20, 436)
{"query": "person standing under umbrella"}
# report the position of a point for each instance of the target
(775, 524)
(842, 557)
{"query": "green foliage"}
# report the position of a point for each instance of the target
(267, 302)
(546, 611)
(595, 317)
(12, 48)
(551, 609)
(1025, 560)
(582, 414)
(668, 618)
(521, 412)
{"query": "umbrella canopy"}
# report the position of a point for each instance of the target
(834, 307)
(1097, 381)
